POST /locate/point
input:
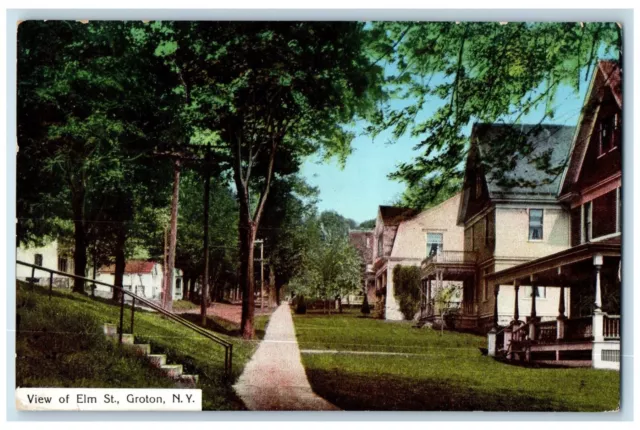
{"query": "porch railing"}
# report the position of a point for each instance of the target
(578, 328)
(451, 257)
(611, 327)
(137, 300)
(547, 331)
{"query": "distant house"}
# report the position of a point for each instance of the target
(362, 241)
(405, 236)
(49, 256)
(144, 278)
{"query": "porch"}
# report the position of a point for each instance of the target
(447, 266)
(573, 339)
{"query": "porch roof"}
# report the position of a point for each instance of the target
(546, 268)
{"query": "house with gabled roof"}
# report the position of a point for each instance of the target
(141, 277)
(586, 331)
(542, 260)
(508, 218)
(362, 241)
(404, 237)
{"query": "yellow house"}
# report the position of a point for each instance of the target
(406, 237)
(506, 222)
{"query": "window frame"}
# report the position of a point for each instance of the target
(63, 267)
(37, 257)
(441, 243)
(608, 130)
(380, 244)
(587, 222)
(529, 235)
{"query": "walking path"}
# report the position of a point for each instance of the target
(274, 379)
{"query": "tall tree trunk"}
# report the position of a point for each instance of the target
(192, 287)
(247, 239)
(278, 286)
(204, 301)
(173, 237)
(272, 287)
(80, 242)
(185, 287)
(120, 263)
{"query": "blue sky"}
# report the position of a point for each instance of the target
(357, 190)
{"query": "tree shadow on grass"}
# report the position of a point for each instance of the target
(362, 392)
(219, 325)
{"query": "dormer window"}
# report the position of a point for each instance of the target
(609, 132)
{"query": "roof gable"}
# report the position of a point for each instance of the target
(606, 77)
(132, 266)
(394, 215)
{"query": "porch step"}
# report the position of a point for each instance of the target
(173, 371)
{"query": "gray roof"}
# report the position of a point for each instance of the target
(534, 170)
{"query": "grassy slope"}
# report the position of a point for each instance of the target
(447, 373)
(60, 343)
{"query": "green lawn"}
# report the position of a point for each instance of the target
(60, 343)
(445, 371)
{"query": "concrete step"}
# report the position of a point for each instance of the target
(158, 360)
(110, 329)
(172, 370)
(187, 381)
(139, 348)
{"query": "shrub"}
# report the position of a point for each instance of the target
(301, 306)
(406, 287)
(365, 309)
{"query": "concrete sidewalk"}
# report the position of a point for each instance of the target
(274, 379)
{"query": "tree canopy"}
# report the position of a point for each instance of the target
(477, 72)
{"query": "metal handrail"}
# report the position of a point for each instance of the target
(228, 347)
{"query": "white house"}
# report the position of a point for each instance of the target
(48, 256)
(144, 278)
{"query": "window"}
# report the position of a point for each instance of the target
(38, 260)
(541, 292)
(609, 132)
(380, 245)
(603, 214)
(62, 264)
(535, 224)
(586, 226)
(434, 243)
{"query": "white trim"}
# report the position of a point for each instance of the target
(606, 236)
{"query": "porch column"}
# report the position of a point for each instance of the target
(598, 315)
(429, 296)
(533, 317)
(492, 344)
(561, 310)
(496, 291)
(597, 264)
(516, 304)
